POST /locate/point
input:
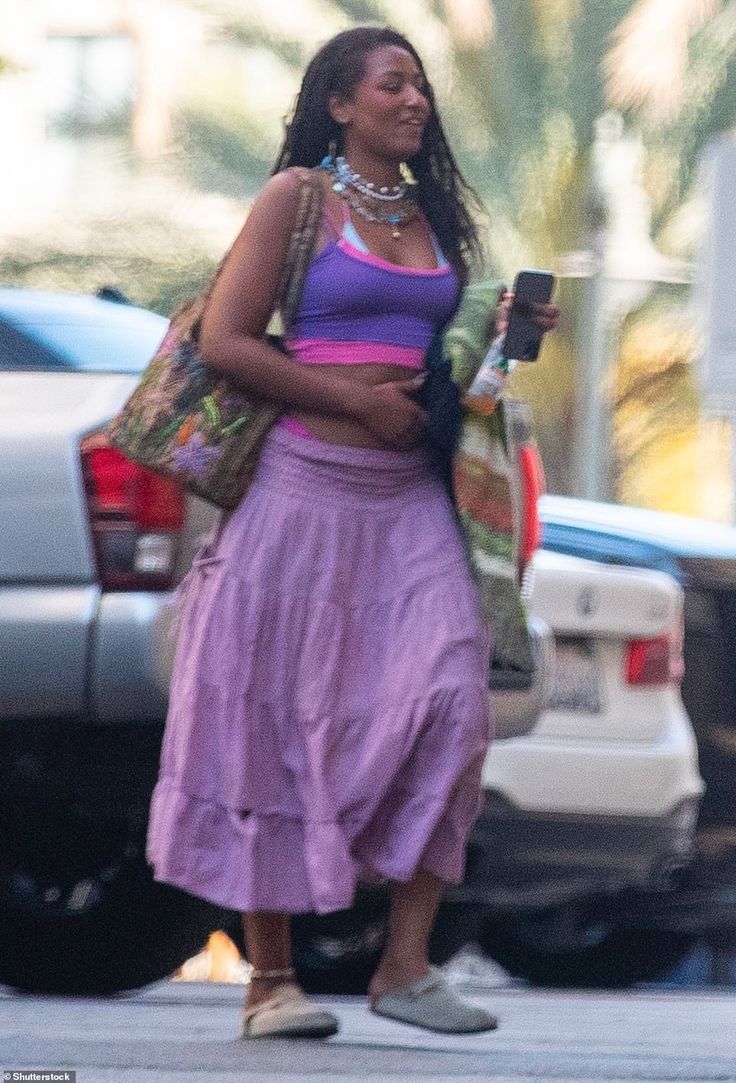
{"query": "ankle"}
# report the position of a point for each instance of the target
(263, 983)
(393, 972)
(284, 973)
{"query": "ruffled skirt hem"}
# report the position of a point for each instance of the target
(251, 861)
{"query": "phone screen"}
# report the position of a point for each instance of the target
(523, 335)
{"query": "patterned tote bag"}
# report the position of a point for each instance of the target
(188, 422)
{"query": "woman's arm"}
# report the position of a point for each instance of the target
(240, 306)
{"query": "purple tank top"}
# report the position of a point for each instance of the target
(356, 308)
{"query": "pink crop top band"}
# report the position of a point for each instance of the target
(315, 351)
(296, 427)
(359, 309)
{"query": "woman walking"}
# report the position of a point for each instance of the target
(329, 710)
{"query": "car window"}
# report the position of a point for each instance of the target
(80, 347)
(18, 352)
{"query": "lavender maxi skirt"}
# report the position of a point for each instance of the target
(329, 711)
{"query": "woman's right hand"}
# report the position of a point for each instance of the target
(391, 414)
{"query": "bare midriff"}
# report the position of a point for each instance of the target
(339, 430)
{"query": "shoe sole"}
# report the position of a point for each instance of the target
(491, 1025)
(317, 1026)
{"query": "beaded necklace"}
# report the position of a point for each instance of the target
(375, 204)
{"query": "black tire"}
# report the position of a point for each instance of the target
(614, 957)
(338, 953)
(457, 924)
(80, 913)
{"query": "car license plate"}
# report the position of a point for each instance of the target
(577, 677)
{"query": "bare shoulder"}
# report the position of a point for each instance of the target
(282, 190)
(272, 216)
(278, 196)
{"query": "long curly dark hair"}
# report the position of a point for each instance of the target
(442, 192)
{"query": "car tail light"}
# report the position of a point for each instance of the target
(656, 661)
(135, 516)
(533, 486)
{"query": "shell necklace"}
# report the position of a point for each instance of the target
(375, 204)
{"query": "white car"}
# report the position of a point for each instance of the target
(598, 804)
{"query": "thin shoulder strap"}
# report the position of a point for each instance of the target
(330, 217)
(441, 257)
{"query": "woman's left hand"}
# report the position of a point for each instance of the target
(501, 315)
(547, 316)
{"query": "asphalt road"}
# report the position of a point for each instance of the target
(174, 1032)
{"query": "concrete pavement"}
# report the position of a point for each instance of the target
(174, 1032)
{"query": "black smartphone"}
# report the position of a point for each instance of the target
(523, 335)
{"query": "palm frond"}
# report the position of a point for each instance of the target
(310, 22)
(646, 67)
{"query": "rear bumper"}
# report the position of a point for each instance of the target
(517, 704)
(131, 657)
(564, 819)
(133, 653)
(45, 635)
(561, 776)
(77, 652)
(522, 860)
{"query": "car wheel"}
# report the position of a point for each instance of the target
(338, 953)
(80, 913)
(456, 925)
(604, 956)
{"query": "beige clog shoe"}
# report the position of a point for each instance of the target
(430, 1003)
(287, 1014)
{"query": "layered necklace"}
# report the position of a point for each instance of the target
(392, 205)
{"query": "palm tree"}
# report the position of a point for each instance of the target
(554, 71)
(678, 89)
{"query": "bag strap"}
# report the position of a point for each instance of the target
(301, 246)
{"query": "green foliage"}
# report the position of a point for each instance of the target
(149, 281)
(656, 410)
(361, 11)
(216, 153)
(659, 433)
(546, 92)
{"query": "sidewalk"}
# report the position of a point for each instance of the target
(185, 1032)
